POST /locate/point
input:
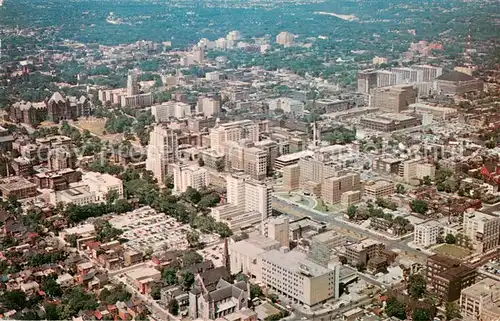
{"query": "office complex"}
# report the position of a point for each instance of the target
(162, 150)
(480, 301)
(169, 110)
(378, 189)
(208, 106)
(427, 233)
(483, 229)
(189, 176)
(393, 99)
(234, 131)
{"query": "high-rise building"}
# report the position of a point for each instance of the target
(393, 99)
(234, 131)
(189, 176)
(162, 150)
(285, 38)
(170, 109)
(429, 72)
(132, 86)
(333, 187)
(209, 106)
(367, 79)
(483, 229)
(234, 35)
(277, 228)
(408, 75)
(426, 234)
(386, 78)
(479, 302)
(291, 177)
(243, 156)
(258, 198)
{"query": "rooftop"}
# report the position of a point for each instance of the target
(15, 183)
(144, 272)
(455, 76)
(482, 288)
(294, 261)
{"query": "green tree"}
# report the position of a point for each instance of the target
(400, 189)
(170, 276)
(191, 195)
(416, 286)
(222, 229)
(421, 315)
(351, 211)
(173, 307)
(452, 311)
(419, 206)
(193, 238)
(187, 280)
(14, 300)
(255, 291)
(51, 287)
(191, 258)
(450, 239)
(395, 308)
(76, 300)
(52, 312)
(427, 181)
(156, 291)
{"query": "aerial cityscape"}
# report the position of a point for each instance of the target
(319, 160)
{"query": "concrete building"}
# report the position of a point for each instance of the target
(323, 246)
(332, 105)
(18, 187)
(102, 185)
(295, 276)
(60, 158)
(243, 156)
(438, 112)
(77, 195)
(458, 83)
(393, 99)
(162, 150)
(427, 233)
(189, 176)
(389, 122)
(208, 106)
(233, 131)
(386, 78)
(272, 150)
(429, 73)
(291, 159)
(285, 38)
(425, 170)
(447, 276)
(483, 229)
(291, 177)
(243, 255)
(278, 229)
(378, 189)
(408, 75)
(169, 110)
(333, 187)
(478, 299)
(288, 105)
(367, 79)
(360, 253)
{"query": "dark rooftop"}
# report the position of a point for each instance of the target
(455, 76)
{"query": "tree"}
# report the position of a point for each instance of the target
(209, 200)
(400, 189)
(419, 206)
(450, 239)
(222, 229)
(220, 165)
(343, 259)
(187, 280)
(118, 293)
(255, 291)
(452, 311)
(170, 276)
(421, 315)
(51, 287)
(395, 308)
(156, 291)
(201, 162)
(14, 300)
(193, 238)
(191, 195)
(51, 312)
(76, 300)
(173, 307)
(416, 286)
(351, 211)
(427, 181)
(191, 258)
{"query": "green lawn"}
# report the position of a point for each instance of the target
(453, 251)
(322, 206)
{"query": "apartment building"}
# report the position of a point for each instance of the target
(447, 276)
(333, 187)
(479, 300)
(360, 253)
(393, 99)
(234, 131)
(386, 78)
(272, 150)
(429, 73)
(102, 185)
(278, 229)
(367, 79)
(169, 110)
(162, 150)
(291, 177)
(378, 189)
(18, 187)
(243, 156)
(427, 233)
(295, 276)
(208, 106)
(189, 176)
(416, 169)
(389, 122)
(408, 75)
(288, 105)
(483, 229)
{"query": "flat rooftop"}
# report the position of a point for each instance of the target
(295, 262)
(294, 156)
(482, 288)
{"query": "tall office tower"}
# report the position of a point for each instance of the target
(258, 198)
(285, 38)
(234, 35)
(162, 150)
(393, 99)
(209, 106)
(235, 189)
(277, 228)
(234, 131)
(367, 79)
(132, 87)
(386, 78)
(198, 54)
(429, 72)
(408, 75)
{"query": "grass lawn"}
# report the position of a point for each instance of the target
(453, 251)
(322, 207)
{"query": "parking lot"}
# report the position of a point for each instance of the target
(145, 228)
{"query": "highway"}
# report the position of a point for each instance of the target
(335, 220)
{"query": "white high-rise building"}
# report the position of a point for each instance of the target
(234, 35)
(170, 109)
(132, 86)
(189, 176)
(162, 150)
(209, 106)
(285, 38)
(234, 131)
(258, 198)
(426, 234)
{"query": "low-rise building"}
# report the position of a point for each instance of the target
(18, 187)
(427, 233)
(360, 253)
(479, 299)
(243, 255)
(378, 189)
(103, 185)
